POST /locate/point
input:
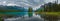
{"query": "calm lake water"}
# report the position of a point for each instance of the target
(14, 13)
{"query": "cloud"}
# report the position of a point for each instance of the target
(46, 1)
(26, 3)
(23, 2)
(11, 4)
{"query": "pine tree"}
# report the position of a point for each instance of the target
(30, 14)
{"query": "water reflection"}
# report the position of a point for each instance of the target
(26, 18)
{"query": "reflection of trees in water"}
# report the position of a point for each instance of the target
(51, 18)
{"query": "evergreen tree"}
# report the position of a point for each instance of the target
(30, 13)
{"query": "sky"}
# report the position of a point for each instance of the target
(46, 1)
(35, 4)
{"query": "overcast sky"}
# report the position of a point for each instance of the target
(25, 3)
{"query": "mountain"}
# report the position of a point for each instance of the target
(12, 9)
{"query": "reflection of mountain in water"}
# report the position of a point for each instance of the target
(26, 18)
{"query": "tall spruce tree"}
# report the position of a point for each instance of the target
(30, 13)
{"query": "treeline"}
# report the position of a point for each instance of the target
(11, 9)
(49, 7)
(52, 7)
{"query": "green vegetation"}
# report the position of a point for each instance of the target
(30, 14)
(10, 10)
(53, 13)
(50, 10)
